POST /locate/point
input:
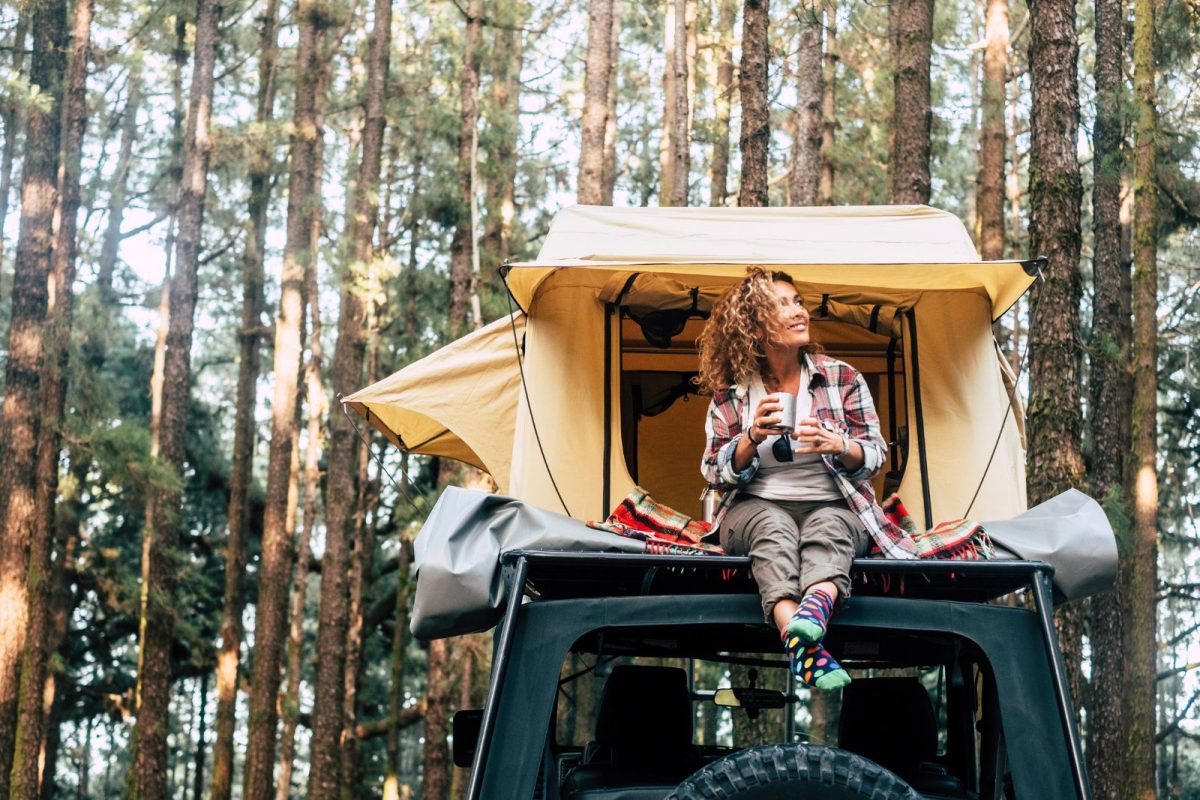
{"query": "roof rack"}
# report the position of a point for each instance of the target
(556, 575)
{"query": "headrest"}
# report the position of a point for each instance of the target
(644, 707)
(890, 721)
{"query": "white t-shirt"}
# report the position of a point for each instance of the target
(805, 477)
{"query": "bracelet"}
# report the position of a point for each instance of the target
(845, 446)
(750, 436)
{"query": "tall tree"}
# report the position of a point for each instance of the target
(992, 137)
(505, 91)
(1141, 575)
(1110, 392)
(828, 110)
(436, 768)
(164, 524)
(249, 367)
(10, 115)
(276, 565)
(21, 413)
(910, 37)
(119, 187)
(1055, 190)
(597, 75)
(325, 776)
(804, 180)
(462, 245)
(678, 138)
(755, 137)
(31, 717)
(723, 101)
(609, 176)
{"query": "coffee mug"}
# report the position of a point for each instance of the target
(786, 414)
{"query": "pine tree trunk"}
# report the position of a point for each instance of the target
(148, 773)
(118, 196)
(828, 106)
(21, 414)
(910, 36)
(325, 776)
(436, 771)
(756, 113)
(10, 116)
(1109, 399)
(360, 575)
(276, 566)
(609, 176)
(992, 137)
(57, 340)
(666, 162)
(679, 139)
(598, 69)
(391, 781)
(462, 244)
(804, 181)
(1141, 574)
(244, 436)
(727, 13)
(501, 204)
(1055, 419)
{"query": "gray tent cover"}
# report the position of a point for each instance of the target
(460, 584)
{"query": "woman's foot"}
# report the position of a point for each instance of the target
(812, 617)
(813, 664)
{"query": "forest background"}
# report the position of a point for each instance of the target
(217, 217)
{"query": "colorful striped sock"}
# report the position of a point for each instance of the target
(813, 664)
(811, 617)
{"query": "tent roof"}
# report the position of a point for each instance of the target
(900, 248)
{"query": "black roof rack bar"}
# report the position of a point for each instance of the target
(998, 567)
(1043, 601)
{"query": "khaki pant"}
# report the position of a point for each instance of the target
(793, 545)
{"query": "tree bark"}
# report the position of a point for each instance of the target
(276, 566)
(148, 772)
(502, 177)
(756, 113)
(1110, 398)
(597, 75)
(244, 436)
(804, 180)
(10, 116)
(992, 137)
(436, 771)
(828, 106)
(328, 725)
(723, 101)
(118, 194)
(391, 781)
(678, 138)
(463, 242)
(910, 36)
(1055, 462)
(21, 413)
(609, 177)
(56, 343)
(1141, 575)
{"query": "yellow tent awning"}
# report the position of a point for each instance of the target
(461, 404)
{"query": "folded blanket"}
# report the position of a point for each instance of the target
(959, 539)
(662, 528)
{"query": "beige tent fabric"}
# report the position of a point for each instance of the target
(460, 402)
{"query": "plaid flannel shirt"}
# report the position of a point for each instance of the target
(842, 403)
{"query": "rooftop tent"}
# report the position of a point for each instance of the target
(614, 304)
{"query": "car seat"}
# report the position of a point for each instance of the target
(643, 746)
(891, 722)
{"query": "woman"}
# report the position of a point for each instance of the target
(798, 501)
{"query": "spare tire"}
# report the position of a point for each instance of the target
(793, 771)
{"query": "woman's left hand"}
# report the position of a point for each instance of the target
(817, 440)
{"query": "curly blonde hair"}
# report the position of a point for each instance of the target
(744, 320)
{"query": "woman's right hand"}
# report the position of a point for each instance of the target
(766, 419)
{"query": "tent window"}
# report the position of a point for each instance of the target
(662, 415)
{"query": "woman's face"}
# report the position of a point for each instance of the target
(793, 314)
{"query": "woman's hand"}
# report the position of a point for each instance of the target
(766, 419)
(817, 440)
